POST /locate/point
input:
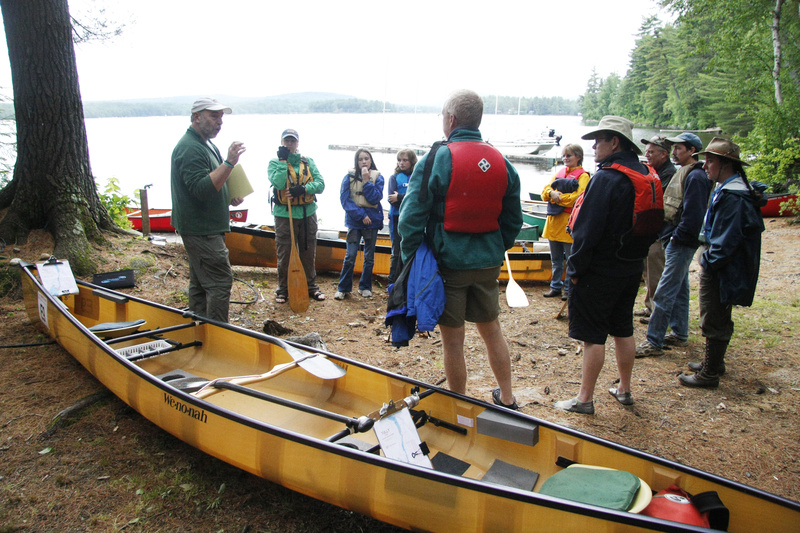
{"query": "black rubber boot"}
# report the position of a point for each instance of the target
(712, 368)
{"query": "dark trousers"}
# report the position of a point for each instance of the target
(715, 317)
(305, 235)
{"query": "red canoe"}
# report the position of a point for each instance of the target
(773, 207)
(161, 219)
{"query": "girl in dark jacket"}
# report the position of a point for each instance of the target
(732, 253)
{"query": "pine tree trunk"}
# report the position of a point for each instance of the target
(52, 186)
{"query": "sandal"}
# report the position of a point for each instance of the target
(318, 296)
(496, 400)
(281, 299)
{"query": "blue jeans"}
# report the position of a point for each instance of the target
(559, 253)
(671, 300)
(354, 237)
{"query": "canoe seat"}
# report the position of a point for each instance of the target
(502, 473)
(183, 380)
(116, 329)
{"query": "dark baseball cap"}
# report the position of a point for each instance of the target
(290, 133)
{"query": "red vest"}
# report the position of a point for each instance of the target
(478, 182)
(648, 207)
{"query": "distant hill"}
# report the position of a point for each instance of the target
(306, 102)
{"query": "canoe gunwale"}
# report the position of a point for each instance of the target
(528, 497)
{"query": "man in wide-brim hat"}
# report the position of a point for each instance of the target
(603, 285)
(730, 262)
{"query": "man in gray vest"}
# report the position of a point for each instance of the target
(657, 153)
(685, 203)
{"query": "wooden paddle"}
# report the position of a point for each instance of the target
(335, 372)
(561, 311)
(515, 296)
(298, 287)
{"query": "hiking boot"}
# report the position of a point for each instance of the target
(673, 340)
(698, 366)
(575, 406)
(339, 295)
(625, 398)
(645, 349)
(645, 320)
(552, 293)
(365, 293)
(713, 363)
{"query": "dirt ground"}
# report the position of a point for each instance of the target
(108, 469)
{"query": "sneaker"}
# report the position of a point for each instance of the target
(339, 295)
(673, 340)
(574, 406)
(625, 398)
(642, 312)
(645, 349)
(496, 400)
(365, 293)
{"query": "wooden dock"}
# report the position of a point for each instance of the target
(540, 160)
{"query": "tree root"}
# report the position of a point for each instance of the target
(73, 411)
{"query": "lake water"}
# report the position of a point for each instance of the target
(136, 151)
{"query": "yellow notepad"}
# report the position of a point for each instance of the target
(238, 184)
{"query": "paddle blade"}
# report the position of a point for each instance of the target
(515, 296)
(298, 288)
(316, 364)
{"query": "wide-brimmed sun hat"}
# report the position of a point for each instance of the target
(724, 148)
(210, 104)
(614, 124)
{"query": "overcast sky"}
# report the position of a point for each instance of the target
(411, 51)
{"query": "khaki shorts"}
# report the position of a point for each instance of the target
(472, 296)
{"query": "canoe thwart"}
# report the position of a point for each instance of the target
(111, 296)
(154, 348)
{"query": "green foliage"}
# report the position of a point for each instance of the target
(513, 105)
(777, 166)
(115, 203)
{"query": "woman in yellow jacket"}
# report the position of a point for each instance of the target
(561, 193)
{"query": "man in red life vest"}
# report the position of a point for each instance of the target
(468, 209)
(612, 233)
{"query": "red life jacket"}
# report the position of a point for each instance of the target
(576, 173)
(478, 182)
(648, 213)
(704, 510)
(648, 206)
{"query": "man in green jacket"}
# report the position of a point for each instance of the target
(200, 208)
(295, 179)
(469, 211)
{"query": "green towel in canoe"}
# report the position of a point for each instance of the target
(613, 489)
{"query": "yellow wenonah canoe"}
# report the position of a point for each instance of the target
(365, 439)
(254, 245)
